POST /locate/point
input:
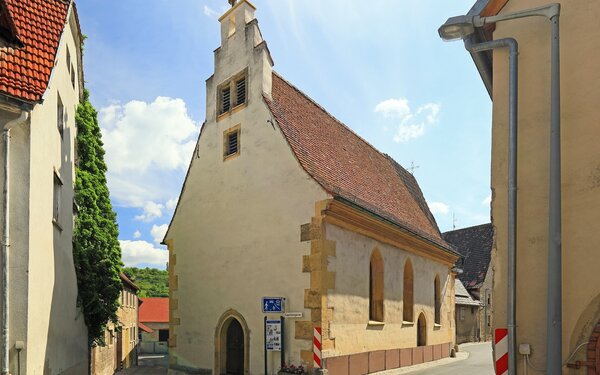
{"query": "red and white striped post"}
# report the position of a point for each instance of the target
(317, 340)
(501, 350)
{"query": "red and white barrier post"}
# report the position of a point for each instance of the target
(317, 340)
(501, 350)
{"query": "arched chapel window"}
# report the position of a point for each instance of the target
(376, 287)
(437, 300)
(408, 293)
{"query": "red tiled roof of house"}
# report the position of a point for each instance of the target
(25, 71)
(145, 328)
(154, 310)
(346, 165)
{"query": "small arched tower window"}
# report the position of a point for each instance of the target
(376, 287)
(437, 300)
(408, 294)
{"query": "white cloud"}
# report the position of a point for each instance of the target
(438, 208)
(158, 232)
(393, 108)
(137, 234)
(151, 211)
(136, 253)
(412, 124)
(171, 204)
(487, 200)
(148, 148)
(210, 12)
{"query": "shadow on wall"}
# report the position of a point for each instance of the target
(66, 346)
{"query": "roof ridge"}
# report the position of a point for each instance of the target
(465, 228)
(384, 155)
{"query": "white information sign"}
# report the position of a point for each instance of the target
(273, 335)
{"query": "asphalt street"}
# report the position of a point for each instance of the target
(479, 363)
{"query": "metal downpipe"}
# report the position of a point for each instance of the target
(554, 319)
(513, 82)
(6, 241)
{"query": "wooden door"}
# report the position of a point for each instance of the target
(235, 349)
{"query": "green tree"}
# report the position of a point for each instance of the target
(96, 249)
(151, 281)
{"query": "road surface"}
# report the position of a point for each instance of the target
(480, 362)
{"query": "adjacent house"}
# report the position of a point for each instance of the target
(468, 319)
(579, 325)
(282, 201)
(154, 325)
(121, 341)
(475, 247)
(41, 84)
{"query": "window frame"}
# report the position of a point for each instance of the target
(437, 300)
(60, 116)
(234, 102)
(408, 292)
(376, 287)
(235, 129)
(57, 184)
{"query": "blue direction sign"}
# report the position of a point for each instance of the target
(273, 304)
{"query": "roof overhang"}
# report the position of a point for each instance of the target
(484, 60)
(348, 215)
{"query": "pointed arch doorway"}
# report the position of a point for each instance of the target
(231, 345)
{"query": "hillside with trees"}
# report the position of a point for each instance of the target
(152, 282)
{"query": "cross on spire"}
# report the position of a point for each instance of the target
(412, 167)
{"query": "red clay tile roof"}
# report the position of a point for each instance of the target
(154, 310)
(144, 327)
(25, 72)
(346, 165)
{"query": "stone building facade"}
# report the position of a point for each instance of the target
(283, 200)
(121, 342)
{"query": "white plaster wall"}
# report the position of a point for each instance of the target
(57, 334)
(350, 298)
(19, 230)
(236, 232)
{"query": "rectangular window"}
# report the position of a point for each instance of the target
(461, 313)
(60, 116)
(240, 91)
(232, 93)
(57, 195)
(73, 76)
(163, 335)
(225, 99)
(231, 142)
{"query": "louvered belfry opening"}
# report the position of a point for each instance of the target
(225, 99)
(240, 90)
(232, 93)
(232, 143)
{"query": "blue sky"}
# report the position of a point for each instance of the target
(378, 66)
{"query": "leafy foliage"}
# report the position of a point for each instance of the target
(96, 249)
(152, 282)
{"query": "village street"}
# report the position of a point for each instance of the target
(479, 363)
(148, 365)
